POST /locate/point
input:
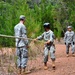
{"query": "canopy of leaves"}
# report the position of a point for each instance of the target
(59, 13)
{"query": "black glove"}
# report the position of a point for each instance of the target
(73, 43)
(65, 43)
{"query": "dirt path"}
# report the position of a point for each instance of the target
(64, 65)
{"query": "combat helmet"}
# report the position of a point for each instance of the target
(46, 25)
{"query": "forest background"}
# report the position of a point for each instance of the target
(59, 13)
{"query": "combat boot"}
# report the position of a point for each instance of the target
(67, 55)
(53, 65)
(25, 72)
(19, 71)
(73, 54)
(45, 66)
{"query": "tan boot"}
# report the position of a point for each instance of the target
(53, 65)
(45, 67)
(67, 55)
(19, 70)
(73, 55)
(25, 72)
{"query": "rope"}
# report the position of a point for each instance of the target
(8, 36)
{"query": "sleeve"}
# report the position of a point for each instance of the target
(74, 38)
(65, 36)
(24, 35)
(14, 32)
(51, 37)
(40, 37)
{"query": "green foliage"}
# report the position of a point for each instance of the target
(59, 13)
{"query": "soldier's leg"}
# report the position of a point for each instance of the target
(67, 49)
(45, 57)
(24, 58)
(73, 48)
(18, 53)
(52, 55)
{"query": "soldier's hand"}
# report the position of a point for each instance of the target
(48, 42)
(65, 43)
(28, 46)
(35, 40)
(73, 43)
(45, 43)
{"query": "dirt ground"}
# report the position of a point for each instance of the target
(64, 65)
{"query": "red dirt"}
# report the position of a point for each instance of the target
(64, 65)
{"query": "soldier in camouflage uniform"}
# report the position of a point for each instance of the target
(69, 40)
(21, 44)
(48, 37)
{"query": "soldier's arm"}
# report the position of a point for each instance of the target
(65, 37)
(74, 38)
(24, 34)
(40, 37)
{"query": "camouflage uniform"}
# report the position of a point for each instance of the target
(50, 47)
(21, 44)
(69, 40)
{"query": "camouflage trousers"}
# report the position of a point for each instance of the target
(47, 50)
(22, 57)
(72, 48)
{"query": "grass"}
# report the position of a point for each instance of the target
(9, 60)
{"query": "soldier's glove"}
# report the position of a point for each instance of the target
(53, 51)
(35, 40)
(27, 46)
(65, 43)
(73, 43)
